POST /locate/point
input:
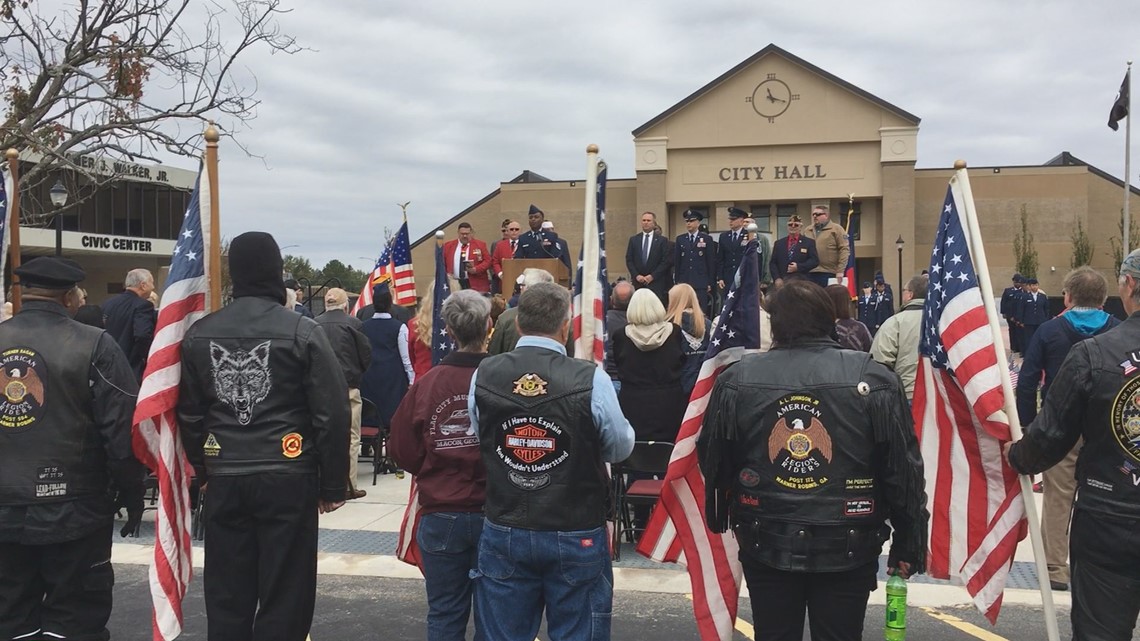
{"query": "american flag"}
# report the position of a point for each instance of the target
(441, 344)
(155, 434)
(6, 187)
(976, 507)
(382, 273)
(677, 532)
(403, 280)
(589, 318)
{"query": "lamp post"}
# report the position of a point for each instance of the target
(899, 246)
(58, 195)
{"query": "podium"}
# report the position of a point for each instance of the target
(513, 268)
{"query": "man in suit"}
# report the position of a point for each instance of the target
(468, 260)
(694, 259)
(731, 247)
(793, 254)
(504, 250)
(130, 320)
(537, 243)
(647, 258)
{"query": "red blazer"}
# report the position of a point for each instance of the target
(479, 276)
(502, 252)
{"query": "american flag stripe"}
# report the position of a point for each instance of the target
(977, 512)
(404, 281)
(406, 548)
(588, 321)
(155, 437)
(677, 530)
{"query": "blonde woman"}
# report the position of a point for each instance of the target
(419, 333)
(649, 357)
(685, 312)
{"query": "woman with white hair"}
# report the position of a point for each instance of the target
(649, 355)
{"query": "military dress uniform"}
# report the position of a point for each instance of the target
(694, 262)
(731, 247)
(65, 446)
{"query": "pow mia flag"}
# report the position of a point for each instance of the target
(1120, 107)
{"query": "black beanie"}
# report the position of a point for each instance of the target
(255, 266)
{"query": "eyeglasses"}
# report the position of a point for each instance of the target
(512, 229)
(817, 213)
(794, 225)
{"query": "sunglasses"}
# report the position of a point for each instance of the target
(794, 225)
(817, 213)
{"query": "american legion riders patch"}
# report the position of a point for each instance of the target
(530, 385)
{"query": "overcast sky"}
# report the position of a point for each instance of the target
(438, 102)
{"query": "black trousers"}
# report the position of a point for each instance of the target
(260, 577)
(1104, 570)
(836, 602)
(62, 588)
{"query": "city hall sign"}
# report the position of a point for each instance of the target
(776, 172)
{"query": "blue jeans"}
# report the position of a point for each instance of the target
(449, 547)
(526, 571)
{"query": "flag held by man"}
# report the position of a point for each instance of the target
(155, 436)
(976, 506)
(677, 531)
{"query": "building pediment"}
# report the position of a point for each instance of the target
(774, 98)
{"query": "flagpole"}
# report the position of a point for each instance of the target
(213, 243)
(1124, 242)
(14, 225)
(987, 291)
(584, 340)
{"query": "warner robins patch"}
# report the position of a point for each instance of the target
(291, 445)
(799, 444)
(530, 385)
(531, 447)
(1125, 418)
(23, 379)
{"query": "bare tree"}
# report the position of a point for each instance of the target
(88, 83)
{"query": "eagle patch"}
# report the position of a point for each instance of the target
(23, 397)
(799, 445)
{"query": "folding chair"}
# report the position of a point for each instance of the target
(648, 459)
(197, 501)
(375, 435)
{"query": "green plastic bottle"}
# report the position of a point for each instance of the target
(895, 629)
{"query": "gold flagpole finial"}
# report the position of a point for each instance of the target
(211, 134)
(404, 207)
(12, 154)
(959, 164)
(591, 148)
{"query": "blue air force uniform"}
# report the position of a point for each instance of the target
(694, 260)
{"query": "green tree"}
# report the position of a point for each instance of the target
(351, 279)
(1114, 242)
(1083, 247)
(1024, 254)
(298, 267)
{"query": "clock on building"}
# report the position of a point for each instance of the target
(772, 97)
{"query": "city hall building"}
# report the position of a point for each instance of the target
(775, 136)
(127, 223)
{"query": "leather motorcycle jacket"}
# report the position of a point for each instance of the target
(1095, 395)
(262, 391)
(807, 450)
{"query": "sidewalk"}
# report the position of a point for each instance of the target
(360, 538)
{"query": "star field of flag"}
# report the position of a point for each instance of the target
(739, 321)
(187, 261)
(441, 344)
(951, 274)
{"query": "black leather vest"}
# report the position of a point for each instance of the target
(1108, 468)
(806, 496)
(50, 449)
(539, 442)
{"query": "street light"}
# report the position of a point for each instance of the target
(58, 194)
(899, 246)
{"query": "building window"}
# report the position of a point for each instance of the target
(762, 214)
(783, 213)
